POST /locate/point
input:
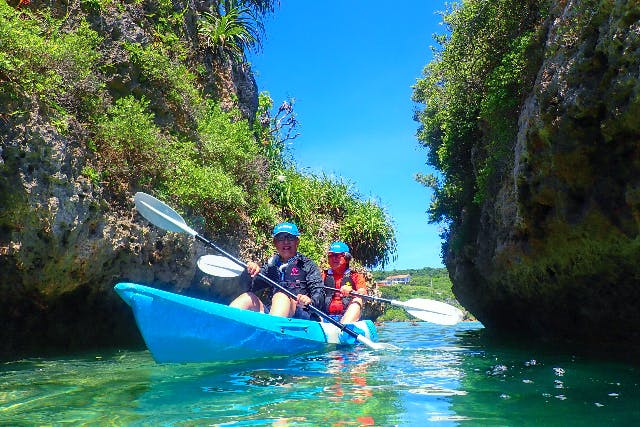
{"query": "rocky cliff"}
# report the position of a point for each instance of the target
(99, 100)
(64, 239)
(553, 253)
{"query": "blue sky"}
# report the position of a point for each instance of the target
(350, 66)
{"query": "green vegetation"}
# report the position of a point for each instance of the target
(40, 61)
(428, 283)
(473, 92)
(330, 210)
(152, 120)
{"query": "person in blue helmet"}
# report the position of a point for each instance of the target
(340, 303)
(290, 269)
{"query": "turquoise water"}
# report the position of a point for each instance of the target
(443, 376)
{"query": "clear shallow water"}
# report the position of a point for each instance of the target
(443, 376)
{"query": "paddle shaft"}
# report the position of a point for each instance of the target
(364, 296)
(385, 300)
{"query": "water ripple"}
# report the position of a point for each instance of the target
(443, 375)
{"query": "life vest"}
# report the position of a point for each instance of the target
(334, 302)
(292, 277)
(299, 275)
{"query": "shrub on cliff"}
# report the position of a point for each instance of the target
(472, 92)
(135, 82)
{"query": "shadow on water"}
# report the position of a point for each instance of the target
(518, 382)
(595, 352)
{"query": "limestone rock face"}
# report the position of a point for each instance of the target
(555, 253)
(63, 249)
(64, 243)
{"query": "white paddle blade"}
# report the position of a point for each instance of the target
(160, 215)
(217, 265)
(377, 345)
(432, 311)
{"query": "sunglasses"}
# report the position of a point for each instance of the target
(283, 237)
(334, 254)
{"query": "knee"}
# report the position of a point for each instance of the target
(280, 298)
(282, 305)
(245, 301)
(356, 303)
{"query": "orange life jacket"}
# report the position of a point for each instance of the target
(335, 303)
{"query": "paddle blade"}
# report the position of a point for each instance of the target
(432, 311)
(217, 265)
(377, 345)
(160, 215)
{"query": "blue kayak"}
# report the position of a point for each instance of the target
(177, 328)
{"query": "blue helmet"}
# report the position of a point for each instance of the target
(286, 227)
(338, 248)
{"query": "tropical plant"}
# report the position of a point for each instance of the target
(128, 143)
(274, 130)
(41, 60)
(327, 209)
(229, 29)
(369, 233)
(165, 78)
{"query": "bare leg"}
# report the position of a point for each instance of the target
(352, 314)
(282, 305)
(248, 301)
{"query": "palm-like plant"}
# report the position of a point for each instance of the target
(229, 30)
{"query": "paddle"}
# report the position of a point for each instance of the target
(166, 218)
(424, 309)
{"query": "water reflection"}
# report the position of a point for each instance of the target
(427, 373)
(337, 388)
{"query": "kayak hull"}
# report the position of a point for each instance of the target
(179, 329)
